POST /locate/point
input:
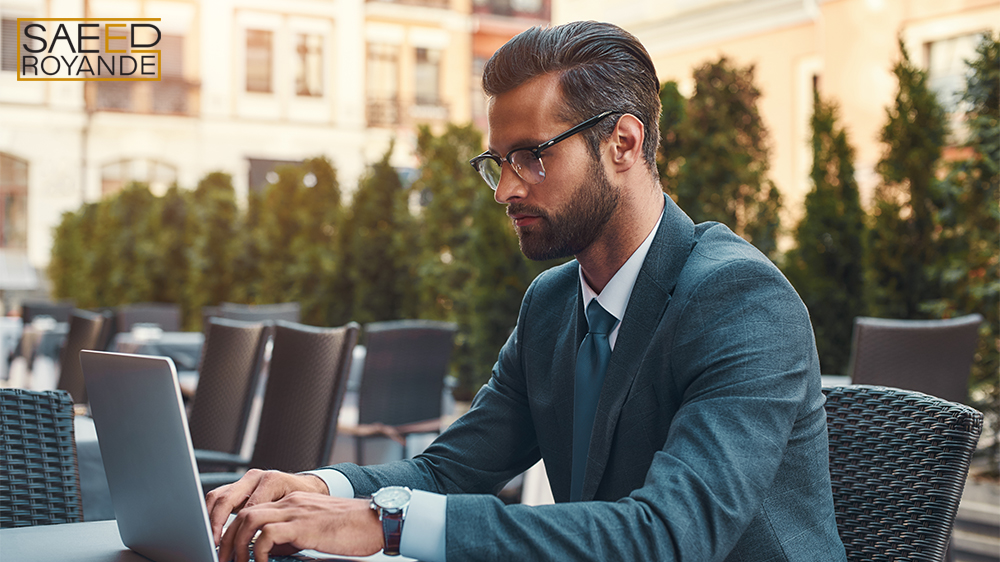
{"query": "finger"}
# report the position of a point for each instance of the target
(228, 499)
(274, 536)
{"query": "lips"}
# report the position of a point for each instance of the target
(520, 220)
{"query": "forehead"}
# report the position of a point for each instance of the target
(527, 115)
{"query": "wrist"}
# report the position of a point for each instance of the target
(313, 483)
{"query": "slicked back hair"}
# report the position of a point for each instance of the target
(600, 66)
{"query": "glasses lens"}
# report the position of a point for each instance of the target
(490, 170)
(527, 166)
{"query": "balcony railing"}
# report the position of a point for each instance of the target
(171, 96)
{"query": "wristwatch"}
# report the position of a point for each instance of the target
(390, 503)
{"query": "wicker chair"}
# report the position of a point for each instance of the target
(85, 330)
(898, 462)
(228, 374)
(305, 388)
(165, 315)
(930, 356)
(406, 362)
(39, 478)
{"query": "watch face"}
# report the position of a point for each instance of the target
(392, 497)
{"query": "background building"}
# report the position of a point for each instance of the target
(844, 48)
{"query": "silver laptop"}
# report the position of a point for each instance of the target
(149, 460)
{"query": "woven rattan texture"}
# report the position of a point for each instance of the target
(39, 479)
(406, 362)
(898, 463)
(84, 333)
(226, 383)
(305, 388)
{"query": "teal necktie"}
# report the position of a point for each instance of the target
(591, 364)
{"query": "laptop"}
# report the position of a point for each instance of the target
(149, 460)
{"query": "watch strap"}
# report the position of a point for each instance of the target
(392, 531)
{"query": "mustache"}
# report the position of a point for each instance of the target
(524, 209)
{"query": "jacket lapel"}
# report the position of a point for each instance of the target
(650, 297)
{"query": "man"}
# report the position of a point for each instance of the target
(668, 376)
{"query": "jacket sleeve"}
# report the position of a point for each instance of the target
(478, 454)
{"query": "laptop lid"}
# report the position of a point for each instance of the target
(148, 457)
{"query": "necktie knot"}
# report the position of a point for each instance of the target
(599, 321)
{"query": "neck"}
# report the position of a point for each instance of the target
(635, 218)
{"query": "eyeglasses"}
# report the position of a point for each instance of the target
(526, 162)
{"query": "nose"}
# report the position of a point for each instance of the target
(511, 186)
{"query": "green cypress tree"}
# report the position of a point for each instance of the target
(317, 260)
(719, 161)
(826, 265)
(216, 244)
(66, 262)
(966, 270)
(674, 110)
(246, 287)
(901, 242)
(376, 248)
(447, 186)
(281, 221)
(177, 230)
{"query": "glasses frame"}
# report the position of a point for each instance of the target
(535, 151)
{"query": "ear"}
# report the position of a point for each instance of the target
(625, 144)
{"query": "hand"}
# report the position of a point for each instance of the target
(256, 487)
(303, 521)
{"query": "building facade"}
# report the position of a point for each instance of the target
(843, 48)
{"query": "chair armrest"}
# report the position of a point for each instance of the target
(206, 458)
(212, 480)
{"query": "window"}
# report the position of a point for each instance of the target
(170, 93)
(13, 202)
(8, 44)
(946, 68)
(259, 60)
(158, 175)
(383, 84)
(309, 65)
(946, 76)
(428, 76)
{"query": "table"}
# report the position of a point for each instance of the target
(93, 483)
(183, 347)
(92, 542)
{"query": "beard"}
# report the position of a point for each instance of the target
(571, 229)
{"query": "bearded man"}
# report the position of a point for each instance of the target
(667, 376)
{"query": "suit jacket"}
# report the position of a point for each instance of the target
(710, 439)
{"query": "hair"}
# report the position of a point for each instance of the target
(600, 65)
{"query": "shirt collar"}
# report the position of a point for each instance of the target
(614, 297)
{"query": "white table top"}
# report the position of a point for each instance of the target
(96, 541)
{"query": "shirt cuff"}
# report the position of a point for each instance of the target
(336, 482)
(424, 528)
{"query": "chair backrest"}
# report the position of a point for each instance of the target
(898, 463)
(166, 315)
(406, 362)
(305, 388)
(930, 356)
(59, 311)
(287, 311)
(84, 333)
(227, 379)
(39, 478)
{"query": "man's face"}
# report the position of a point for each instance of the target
(564, 214)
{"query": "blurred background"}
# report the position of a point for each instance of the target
(316, 151)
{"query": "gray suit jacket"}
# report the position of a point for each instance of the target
(710, 440)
